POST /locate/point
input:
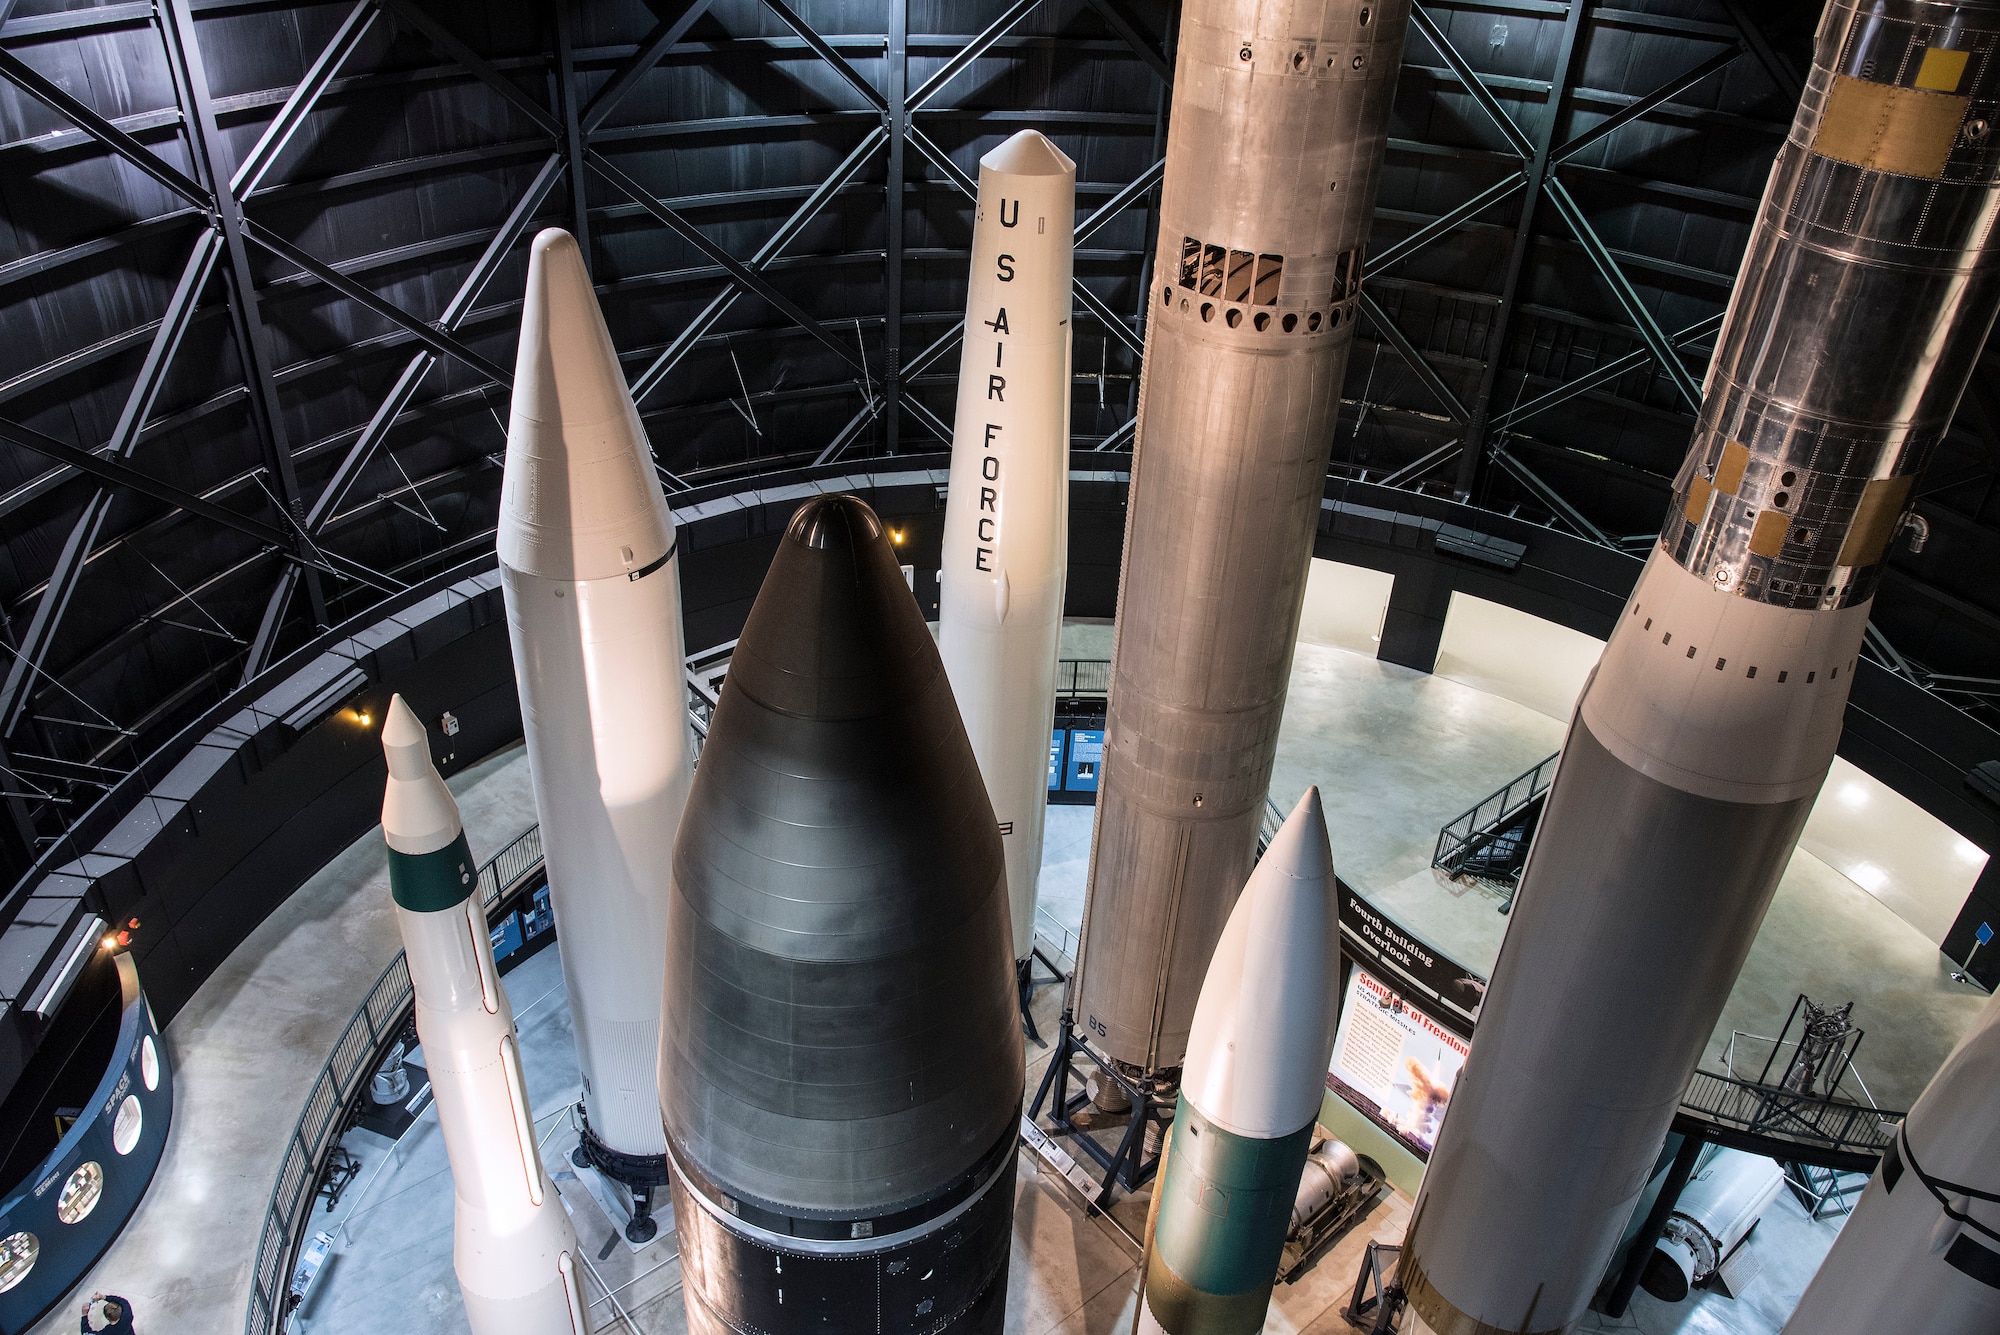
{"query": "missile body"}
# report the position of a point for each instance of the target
(1279, 124)
(1906, 1259)
(1866, 291)
(841, 1077)
(593, 609)
(1255, 1072)
(513, 1246)
(1006, 525)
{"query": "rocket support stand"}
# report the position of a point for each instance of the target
(1024, 976)
(1127, 1166)
(639, 1174)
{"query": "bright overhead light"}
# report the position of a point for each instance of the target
(1868, 876)
(1854, 795)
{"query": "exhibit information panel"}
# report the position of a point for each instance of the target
(1393, 1063)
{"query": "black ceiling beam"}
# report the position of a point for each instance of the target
(455, 312)
(896, 66)
(23, 76)
(1128, 195)
(1424, 370)
(121, 474)
(190, 77)
(32, 651)
(1524, 231)
(973, 50)
(1621, 287)
(1122, 23)
(1648, 104)
(425, 332)
(450, 45)
(808, 209)
(1446, 223)
(839, 63)
(1604, 374)
(561, 16)
(303, 100)
(1777, 67)
(651, 52)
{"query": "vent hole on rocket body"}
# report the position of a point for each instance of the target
(1312, 323)
(1263, 321)
(1691, 650)
(1357, 62)
(1649, 622)
(1270, 273)
(1362, 17)
(1291, 322)
(1782, 499)
(1207, 311)
(1167, 297)
(1299, 60)
(1751, 673)
(1810, 676)
(1782, 676)
(1234, 317)
(1719, 663)
(1213, 258)
(1333, 321)
(1190, 261)
(1668, 638)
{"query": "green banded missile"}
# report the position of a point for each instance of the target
(1256, 1066)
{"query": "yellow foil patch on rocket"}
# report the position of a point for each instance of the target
(1903, 131)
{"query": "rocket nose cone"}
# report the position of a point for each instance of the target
(834, 524)
(404, 742)
(566, 369)
(1301, 848)
(834, 633)
(1029, 153)
(579, 499)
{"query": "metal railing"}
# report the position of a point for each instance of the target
(1267, 824)
(1083, 676)
(1058, 935)
(1783, 1115)
(360, 1048)
(1469, 831)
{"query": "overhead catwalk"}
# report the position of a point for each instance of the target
(842, 1072)
(594, 612)
(1921, 1252)
(1699, 744)
(1255, 1074)
(513, 1248)
(1279, 122)
(1006, 524)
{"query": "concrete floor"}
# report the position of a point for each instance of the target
(1396, 754)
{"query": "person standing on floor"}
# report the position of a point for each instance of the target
(107, 1312)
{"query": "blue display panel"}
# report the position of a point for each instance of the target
(1086, 754)
(538, 919)
(506, 936)
(56, 1224)
(1057, 738)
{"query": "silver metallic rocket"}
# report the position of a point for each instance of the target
(1697, 748)
(1280, 119)
(1255, 1074)
(513, 1248)
(1006, 525)
(1921, 1252)
(841, 1075)
(594, 613)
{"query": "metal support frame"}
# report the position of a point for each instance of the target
(896, 69)
(562, 17)
(1128, 1166)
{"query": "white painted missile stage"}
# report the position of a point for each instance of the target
(594, 612)
(1256, 1069)
(1921, 1252)
(1867, 290)
(513, 1245)
(1006, 525)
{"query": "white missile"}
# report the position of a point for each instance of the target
(1256, 1068)
(1921, 1252)
(513, 1249)
(1006, 524)
(594, 611)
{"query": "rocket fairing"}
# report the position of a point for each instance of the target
(1006, 525)
(1921, 1252)
(842, 1076)
(1866, 292)
(1256, 1069)
(514, 1249)
(593, 610)
(1278, 128)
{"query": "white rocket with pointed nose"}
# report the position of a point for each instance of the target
(1256, 1070)
(1006, 524)
(1921, 1252)
(513, 1245)
(594, 611)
